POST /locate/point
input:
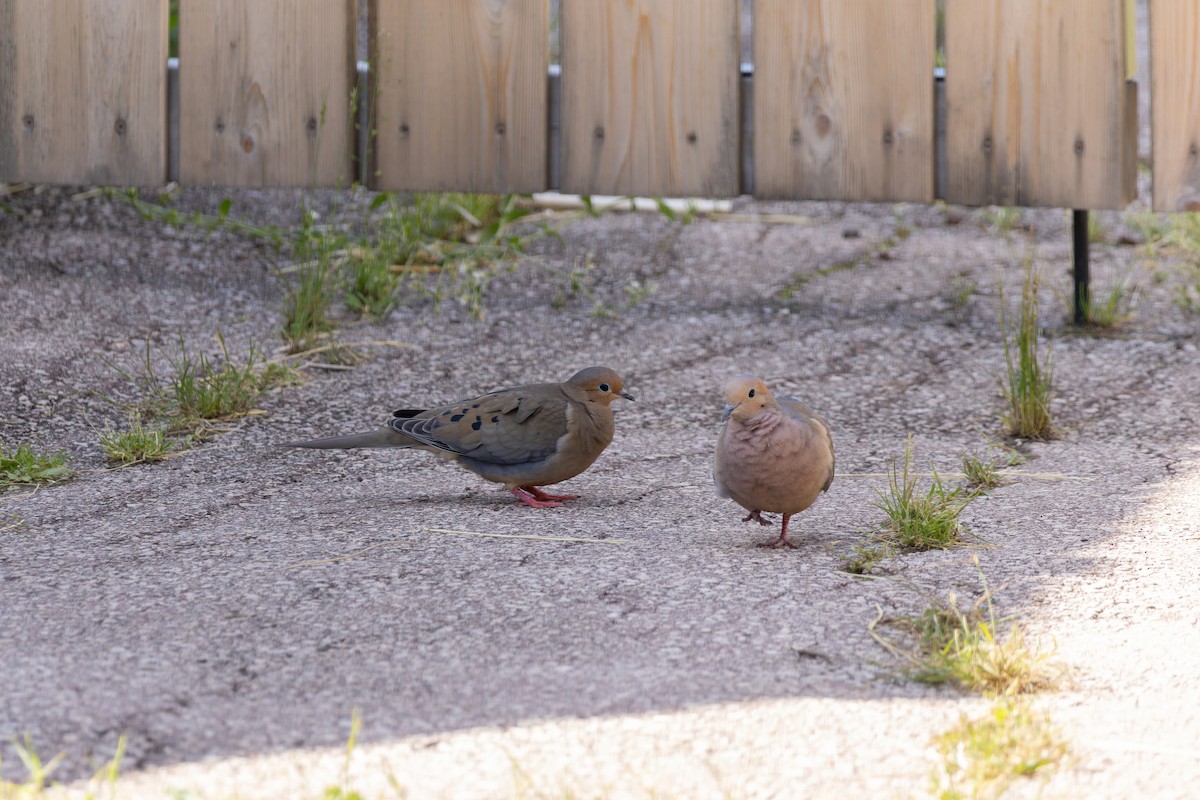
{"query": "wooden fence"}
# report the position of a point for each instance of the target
(1038, 105)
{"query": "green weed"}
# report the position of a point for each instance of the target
(341, 792)
(866, 558)
(983, 758)
(1028, 381)
(1002, 218)
(137, 444)
(926, 519)
(197, 391)
(981, 474)
(965, 647)
(37, 781)
(23, 466)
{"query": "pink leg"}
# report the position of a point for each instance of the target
(757, 516)
(530, 499)
(540, 495)
(782, 541)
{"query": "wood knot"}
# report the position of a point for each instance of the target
(500, 129)
(1078, 147)
(797, 137)
(404, 130)
(119, 126)
(247, 143)
(691, 137)
(311, 126)
(219, 126)
(27, 121)
(824, 125)
(988, 145)
(888, 138)
(598, 133)
(1193, 149)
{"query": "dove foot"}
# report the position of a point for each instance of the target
(529, 499)
(778, 544)
(757, 517)
(540, 495)
(782, 541)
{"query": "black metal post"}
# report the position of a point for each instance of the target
(1079, 236)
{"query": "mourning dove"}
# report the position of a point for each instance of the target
(772, 455)
(523, 437)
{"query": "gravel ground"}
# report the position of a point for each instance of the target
(179, 604)
(175, 603)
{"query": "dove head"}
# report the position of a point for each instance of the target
(599, 385)
(745, 397)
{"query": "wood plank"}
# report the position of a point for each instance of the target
(1175, 110)
(83, 96)
(1039, 106)
(264, 92)
(650, 97)
(460, 88)
(844, 99)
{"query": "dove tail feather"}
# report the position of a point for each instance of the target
(382, 438)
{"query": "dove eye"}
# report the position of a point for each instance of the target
(751, 393)
(604, 387)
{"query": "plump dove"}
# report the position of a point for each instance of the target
(772, 455)
(523, 437)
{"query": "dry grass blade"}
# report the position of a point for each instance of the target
(335, 559)
(534, 538)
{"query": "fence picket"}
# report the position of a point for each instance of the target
(843, 99)
(83, 91)
(265, 91)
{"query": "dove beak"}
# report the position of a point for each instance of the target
(626, 395)
(726, 411)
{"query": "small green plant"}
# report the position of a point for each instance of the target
(866, 558)
(38, 772)
(965, 647)
(1152, 227)
(926, 519)
(371, 284)
(1187, 293)
(981, 474)
(340, 792)
(1109, 308)
(137, 444)
(197, 391)
(982, 758)
(1003, 218)
(963, 289)
(23, 466)
(1096, 232)
(1028, 380)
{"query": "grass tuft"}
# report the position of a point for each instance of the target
(37, 781)
(925, 519)
(137, 444)
(983, 758)
(866, 558)
(981, 475)
(23, 466)
(190, 401)
(967, 648)
(1028, 381)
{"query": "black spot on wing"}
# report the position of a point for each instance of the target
(456, 417)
